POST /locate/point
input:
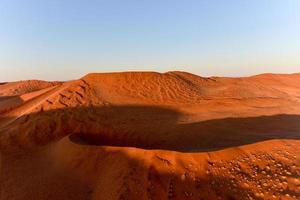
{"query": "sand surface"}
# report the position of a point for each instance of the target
(147, 135)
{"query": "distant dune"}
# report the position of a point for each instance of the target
(148, 135)
(14, 93)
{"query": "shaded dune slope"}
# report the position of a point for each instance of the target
(129, 126)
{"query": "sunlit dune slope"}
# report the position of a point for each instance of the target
(14, 94)
(21, 87)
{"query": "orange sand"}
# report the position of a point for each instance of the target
(146, 135)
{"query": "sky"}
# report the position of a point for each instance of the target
(66, 39)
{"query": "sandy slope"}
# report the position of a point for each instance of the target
(22, 87)
(146, 135)
(14, 94)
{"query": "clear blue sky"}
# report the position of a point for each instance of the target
(65, 39)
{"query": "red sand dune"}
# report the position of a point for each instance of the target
(147, 135)
(14, 93)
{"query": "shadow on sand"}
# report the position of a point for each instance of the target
(148, 128)
(80, 162)
(8, 103)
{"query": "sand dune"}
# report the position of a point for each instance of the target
(148, 135)
(22, 87)
(15, 93)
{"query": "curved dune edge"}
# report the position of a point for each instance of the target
(149, 135)
(75, 171)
